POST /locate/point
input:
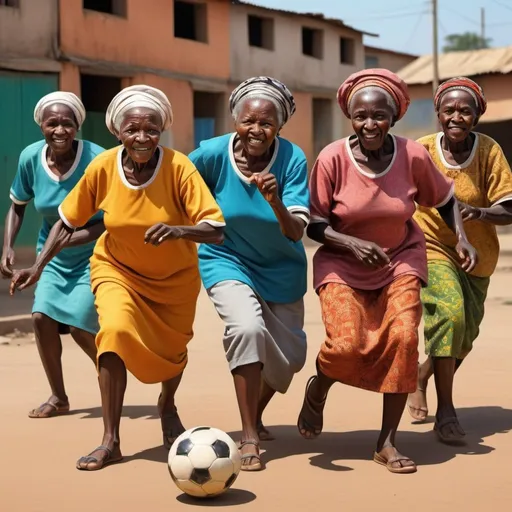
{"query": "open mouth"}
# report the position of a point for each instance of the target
(142, 150)
(255, 142)
(59, 141)
(370, 136)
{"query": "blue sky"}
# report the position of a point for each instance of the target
(406, 25)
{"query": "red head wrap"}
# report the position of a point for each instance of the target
(464, 84)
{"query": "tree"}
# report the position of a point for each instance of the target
(465, 42)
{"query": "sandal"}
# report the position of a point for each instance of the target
(88, 459)
(413, 411)
(379, 459)
(56, 410)
(310, 420)
(255, 466)
(438, 429)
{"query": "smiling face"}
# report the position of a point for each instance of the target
(59, 127)
(140, 133)
(372, 117)
(257, 125)
(458, 114)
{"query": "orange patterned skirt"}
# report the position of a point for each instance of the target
(372, 335)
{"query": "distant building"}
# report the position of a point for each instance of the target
(388, 59)
(491, 69)
(311, 54)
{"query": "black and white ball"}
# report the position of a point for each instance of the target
(204, 462)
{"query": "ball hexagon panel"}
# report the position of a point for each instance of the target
(203, 435)
(202, 456)
(191, 488)
(213, 488)
(181, 467)
(221, 470)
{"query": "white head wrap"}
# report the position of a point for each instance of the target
(138, 96)
(64, 98)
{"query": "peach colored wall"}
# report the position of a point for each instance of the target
(146, 37)
(390, 60)
(70, 78)
(181, 97)
(299, 129)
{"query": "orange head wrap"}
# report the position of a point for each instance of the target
(382, 78)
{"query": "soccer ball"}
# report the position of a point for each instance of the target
(204, 462)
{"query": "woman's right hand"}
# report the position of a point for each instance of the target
(22, 279)
(369, 254)
(7, 262)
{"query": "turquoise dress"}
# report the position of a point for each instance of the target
(63, 292)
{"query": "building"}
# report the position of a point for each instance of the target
(380, 58)
(490, 68)
(311, 54)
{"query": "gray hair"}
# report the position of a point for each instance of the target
(389, 99)
(259, 96)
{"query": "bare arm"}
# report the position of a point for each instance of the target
(203, 233)
(87, 234)
(13, 222)
(291, 226)
(499, 215)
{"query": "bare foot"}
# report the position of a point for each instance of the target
(417, 403)
(394, 461)
(52, 407)
(99, 458)
(172, 427)
(311, 417)
(263, 433)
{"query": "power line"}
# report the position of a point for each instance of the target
(390, 16)
(415, 28)
(458, 14)
(505, 6)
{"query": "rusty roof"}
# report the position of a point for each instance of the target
(315, 16)
(391, 52)
(452, 64)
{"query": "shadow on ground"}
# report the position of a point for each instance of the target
(332, 449)
(230, 498)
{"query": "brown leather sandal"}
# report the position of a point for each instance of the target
(256, 466)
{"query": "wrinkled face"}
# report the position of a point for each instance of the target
(59, 127)
(372, 117)
(257, 125)
(458, 114)
(140, 133)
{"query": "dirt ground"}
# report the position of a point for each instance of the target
(334, 472)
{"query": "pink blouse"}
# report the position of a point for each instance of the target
(376, 208)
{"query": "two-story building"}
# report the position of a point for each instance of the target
(388, 59)
(311, 54)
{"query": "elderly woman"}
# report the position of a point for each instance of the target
(453, 302)
(144, 271)
(257, 278)
(372, 263)
(63, 303)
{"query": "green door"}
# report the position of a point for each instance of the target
(19, 93)
(95, 130)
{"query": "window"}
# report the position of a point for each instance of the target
(10, 3)
(312, 42)
(190, 21)
(115, 7)
(261, 32)
(346, 50)
(371, 61)
(419, 114)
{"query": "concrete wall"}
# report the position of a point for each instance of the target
(286, 61)
(28, 32)
(146, 37)
(389, 60)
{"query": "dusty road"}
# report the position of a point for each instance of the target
(334, 472)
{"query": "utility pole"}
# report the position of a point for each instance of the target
(435, 48)
(482, 25)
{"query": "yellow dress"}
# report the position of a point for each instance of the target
(483, 180)
(145, 295)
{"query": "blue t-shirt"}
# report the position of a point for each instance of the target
(34, 180)
(255, 251)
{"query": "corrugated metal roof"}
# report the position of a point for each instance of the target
(472, 63)
(319, 17)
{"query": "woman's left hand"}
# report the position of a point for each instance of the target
(470, 212)
(160, 232)
(467, 254)
(267, 185)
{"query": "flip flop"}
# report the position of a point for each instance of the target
(57, 410)
(255, 466)
(438, 429)
(315, 423)
(379, 459)
(90, 458)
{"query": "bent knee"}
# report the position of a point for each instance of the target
(251, 328)
(40, 320)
